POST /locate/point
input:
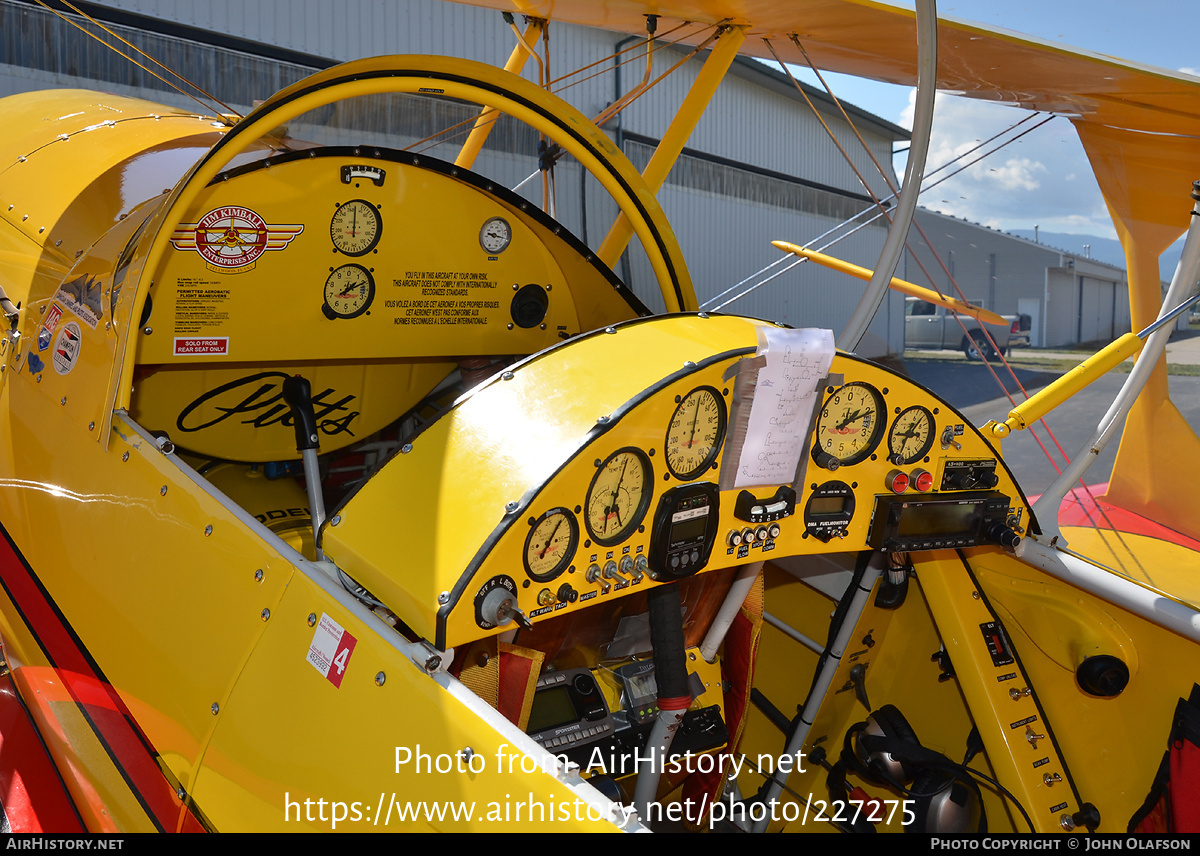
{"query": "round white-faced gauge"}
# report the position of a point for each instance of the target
(695, 432)
(356, 227)
(550, 545)
(349, 291)
(618, 496)
(851, 423)
(495, 236)
(911, 436)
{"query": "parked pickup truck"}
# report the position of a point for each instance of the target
(929, 326)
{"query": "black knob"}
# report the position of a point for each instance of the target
(826, 460)
(1002, 535)
(1102, 675)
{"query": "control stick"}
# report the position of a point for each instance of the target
(297, 393)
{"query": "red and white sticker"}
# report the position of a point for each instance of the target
(231, 238)
(66, 348)
(330, 650)
(213, 346)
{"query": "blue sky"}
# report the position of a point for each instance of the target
(1044, 179)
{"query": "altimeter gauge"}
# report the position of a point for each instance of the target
(356, 227)
(618, 496)
(349, 291)
(851, 424)
(911, 436)
(550, 545)
(695, 432)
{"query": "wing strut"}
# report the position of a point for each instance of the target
(914, 172)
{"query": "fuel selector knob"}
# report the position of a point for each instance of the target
(773, 531)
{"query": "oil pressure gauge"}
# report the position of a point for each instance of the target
(495, 236)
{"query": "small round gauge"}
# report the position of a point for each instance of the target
(550, 545)
(850, 425)
(495, 236)
(911, 436)
(349, 291)
(618, 496)
(356, 227)
(695, 432)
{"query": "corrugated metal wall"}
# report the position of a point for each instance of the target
(724, 218)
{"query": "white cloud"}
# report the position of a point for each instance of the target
(1043, 178)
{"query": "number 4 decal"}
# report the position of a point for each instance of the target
(330, 650)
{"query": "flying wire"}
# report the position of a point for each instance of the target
(149, 71)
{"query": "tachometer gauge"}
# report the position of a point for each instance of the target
(495, 235)
(618, 496)
(356, 227)
(911, 436)
(695, 432)
(850, 425)
(550, 545)
(349, 291)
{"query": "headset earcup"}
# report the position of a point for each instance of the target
(945, 804)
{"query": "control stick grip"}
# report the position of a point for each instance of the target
(298, 394)
(666, 635)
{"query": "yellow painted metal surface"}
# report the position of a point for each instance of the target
(191, 670)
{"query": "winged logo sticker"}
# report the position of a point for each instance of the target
(231, 238)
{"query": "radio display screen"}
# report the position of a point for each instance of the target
(551, 708)
(939, 519)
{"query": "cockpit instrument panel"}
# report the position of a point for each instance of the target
(614, 484)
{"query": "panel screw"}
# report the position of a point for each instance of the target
(181, 793)
(258, 575)
(162, 491)
(444, 598)
(91, 426)
(207, 530)
(507, 376)
(510, 506)
(312, 619)
(380, 679)
(62, 400)
(216, 708)
(406, 448)
(266, 613)
(337, 518)
(467, 753)
(125, 456)
(147, 330)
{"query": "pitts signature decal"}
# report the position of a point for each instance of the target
(260, 398)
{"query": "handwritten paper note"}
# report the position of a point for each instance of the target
(783, 398)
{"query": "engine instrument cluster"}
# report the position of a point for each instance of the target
(620, 483)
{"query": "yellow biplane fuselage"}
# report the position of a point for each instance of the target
(195, 659)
